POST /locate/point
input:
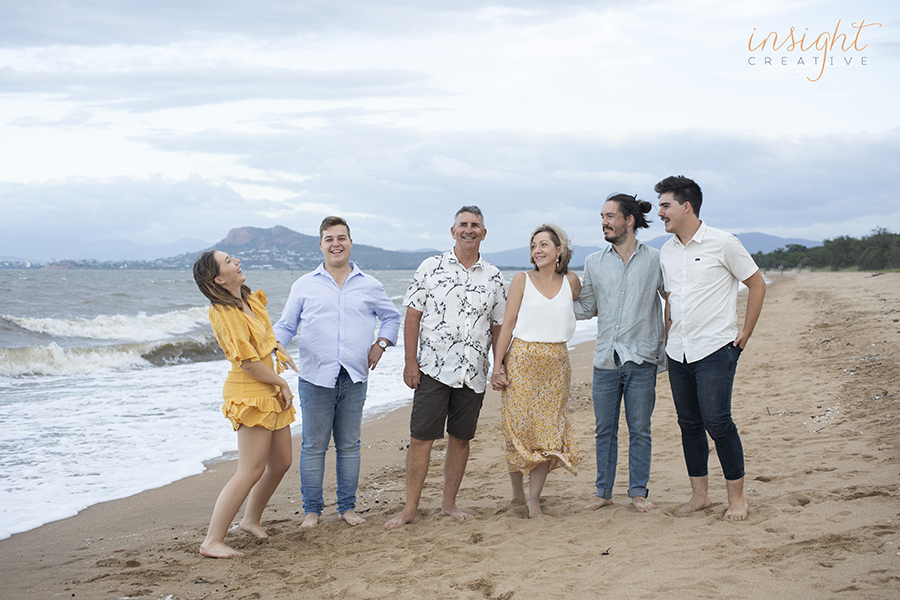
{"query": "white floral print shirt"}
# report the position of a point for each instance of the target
(459, 306)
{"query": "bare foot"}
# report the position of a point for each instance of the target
(254, 528)
(642, 504)
(738, 512)
(407, 516)
(310, 521)
(595, 503)
(352, 518)
(693, 505)
(218, 550)
(452, 511)
(534, 509)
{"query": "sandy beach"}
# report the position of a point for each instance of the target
(816, 400)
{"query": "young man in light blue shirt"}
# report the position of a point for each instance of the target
(335, 308)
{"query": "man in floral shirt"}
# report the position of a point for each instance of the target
(455, 307)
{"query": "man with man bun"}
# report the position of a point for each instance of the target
(623, 285)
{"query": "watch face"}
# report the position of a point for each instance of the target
(382, 344)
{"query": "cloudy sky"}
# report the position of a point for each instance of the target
(156, 121)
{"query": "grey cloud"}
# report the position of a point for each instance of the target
(399, 188)
(142, 90)
(146, 211)
(103, 22)
(751, 183)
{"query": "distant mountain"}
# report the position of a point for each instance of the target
(753, 242)
(283, 248)
(520, 258)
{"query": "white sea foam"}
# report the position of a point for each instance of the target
(112, 435)
(138, 328)
(54, 360)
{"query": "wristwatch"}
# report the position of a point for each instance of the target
(382, 344)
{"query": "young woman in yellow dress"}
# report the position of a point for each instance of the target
(531, 366)
(258, 402)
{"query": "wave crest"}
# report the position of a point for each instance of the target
(138, 328)
(55, 360)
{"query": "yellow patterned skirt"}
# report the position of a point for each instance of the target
(533, 407)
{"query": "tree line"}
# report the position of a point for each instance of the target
(878, 250)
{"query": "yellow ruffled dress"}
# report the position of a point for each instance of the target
(249, 401)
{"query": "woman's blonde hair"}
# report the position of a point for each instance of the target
(560, 240)
(206, 269)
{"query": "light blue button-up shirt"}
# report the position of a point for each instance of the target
(336, 324)
(627, 299)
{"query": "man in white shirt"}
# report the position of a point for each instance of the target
(455, 307)
(702, 267)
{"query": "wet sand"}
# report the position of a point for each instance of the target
(816, 400)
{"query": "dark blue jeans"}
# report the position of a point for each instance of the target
(702, 394)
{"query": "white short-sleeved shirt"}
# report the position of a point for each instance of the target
(702, 280)
(459, 306)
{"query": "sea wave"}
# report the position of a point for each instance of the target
(137, 328)
(55, 360)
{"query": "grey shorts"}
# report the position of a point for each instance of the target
(435, 403)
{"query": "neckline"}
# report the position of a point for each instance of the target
(539, 291)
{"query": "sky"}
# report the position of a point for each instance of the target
(157, 121)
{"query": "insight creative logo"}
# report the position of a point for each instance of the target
(774, 49)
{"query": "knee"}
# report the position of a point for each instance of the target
(721, 429)
(314, 445)
(348, 447)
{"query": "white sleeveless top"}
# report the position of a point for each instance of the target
(543, 319)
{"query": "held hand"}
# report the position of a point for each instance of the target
(498, 378)
(498, 381)
(412, 375)
(375, 354)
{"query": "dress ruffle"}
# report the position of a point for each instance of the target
(258, 412)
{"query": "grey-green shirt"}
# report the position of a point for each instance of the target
(627, 300)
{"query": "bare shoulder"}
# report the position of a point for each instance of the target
(575, 283)
(518, 280)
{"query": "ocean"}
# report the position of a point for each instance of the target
(111, 384)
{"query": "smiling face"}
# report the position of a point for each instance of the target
(336, 245)
(616, 228)
(544, 251)
(675, 216)
(230, 275)
(468, 232)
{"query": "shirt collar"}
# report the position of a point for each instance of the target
(637, 247)
(698, 235)
(320, 270)
(478, 263)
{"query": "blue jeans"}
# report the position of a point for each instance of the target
(702, 394)
(637, 384)
(324, 411)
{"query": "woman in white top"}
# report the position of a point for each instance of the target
(531, 366)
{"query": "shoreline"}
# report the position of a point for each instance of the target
(815, 401)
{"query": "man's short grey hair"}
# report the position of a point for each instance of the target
(469, 209)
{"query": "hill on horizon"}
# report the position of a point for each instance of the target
(283, 248)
